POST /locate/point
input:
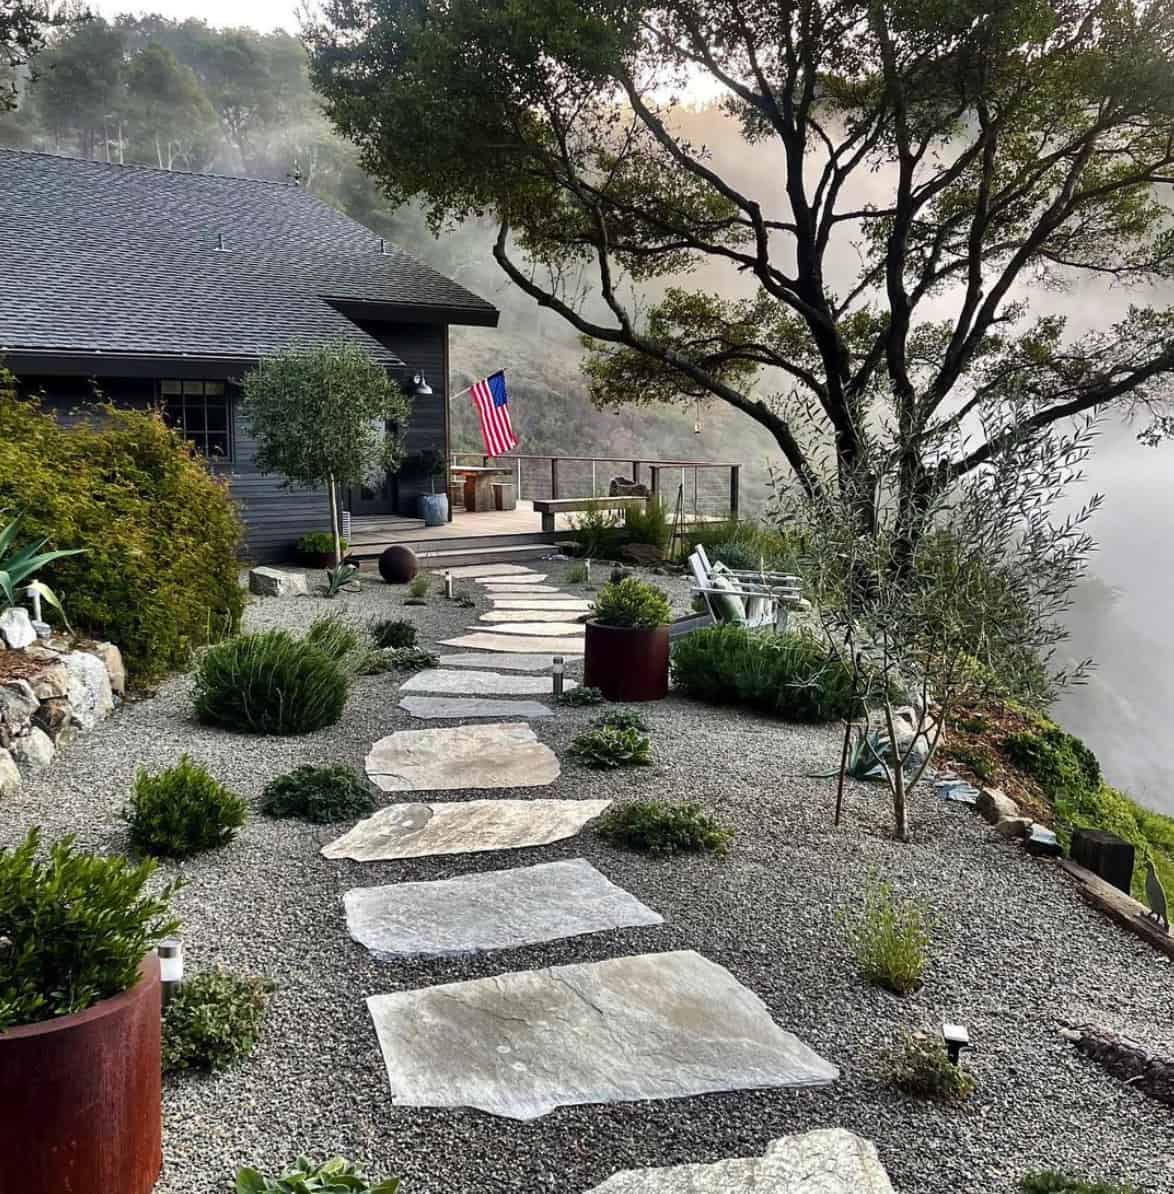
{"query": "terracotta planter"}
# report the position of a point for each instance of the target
(82, 1098)
(627, 663)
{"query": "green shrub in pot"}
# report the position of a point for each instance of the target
(631, 604)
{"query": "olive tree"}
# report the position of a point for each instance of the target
(920, 167)
(329, 415)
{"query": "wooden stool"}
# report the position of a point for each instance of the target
(505, 495)
(456, 494)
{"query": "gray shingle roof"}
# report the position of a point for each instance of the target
(98, 258)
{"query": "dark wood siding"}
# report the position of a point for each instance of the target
(422, 347)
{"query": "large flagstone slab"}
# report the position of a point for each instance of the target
(484, 640)
(469, 682)
(531, 578)
(519, 590)
(504, 755)
(491, 910)
(462, 827)
(575, 603)
(825, 1161)
(571, 629)
(491, 659)
(531, 615)
(656, 1026)
(475, 571)
(454, 707)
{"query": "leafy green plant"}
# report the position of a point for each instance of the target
(394, 632)
(889, 938)
(18, 564)
(980, 760)
(920, 1066)
(1050, 1181)
(605, 747)
(212, 1020)
(182, 811)
(336, 1176)
(583, 695)
(748, 545)
(75, 928)
(1059, 762)
(464, 600)
(599, 532)
(334, 792)
(790, 675)
(269, 683)
(623, 719)
(318, 543)
(657, 827)
(739, 556)
(647, 523)
(418, 589)
(410, 659)
(338, 639)
(631, 603)
(576, 574)
(160, 573)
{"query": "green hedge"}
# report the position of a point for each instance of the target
(159, 576)
(790, 675)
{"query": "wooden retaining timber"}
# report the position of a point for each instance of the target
(1118, 906)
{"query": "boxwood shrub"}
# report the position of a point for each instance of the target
(159, 575)
(790, 675)
(269, 683)
(334, 792)
(182, 811)
(213, 1020)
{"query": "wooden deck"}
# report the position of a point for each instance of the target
(464, 525)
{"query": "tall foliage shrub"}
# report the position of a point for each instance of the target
(159, 572)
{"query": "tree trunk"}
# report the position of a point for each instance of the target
(334, 527)
(843, 769)
(900, 817)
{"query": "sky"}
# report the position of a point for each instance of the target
(263, 15)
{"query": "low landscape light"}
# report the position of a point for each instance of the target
(957, 1038)
(587, 571)
(558, 670)
(448, 585)
(170, 953)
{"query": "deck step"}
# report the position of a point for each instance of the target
(369, 549)
(447, 557)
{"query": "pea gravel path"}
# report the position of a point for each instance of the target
(1016, 955)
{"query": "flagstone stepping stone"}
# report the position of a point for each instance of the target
(492, 910)
(520, 590)
(450, 707)
(571, 629)
(574, 603)
(509, 663)
(476, 571)
(532, 578)
(462, 827)
(504, 755)
(531, 615)
(483, 640)
(655, 1026)
(825, 1161)
(467, 682)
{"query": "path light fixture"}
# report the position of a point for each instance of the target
(448, 585)
(957, 1038)
(587, 572)
(42, 628)
(558, 670)
(170, 952)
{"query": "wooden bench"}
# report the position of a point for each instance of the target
(549, 507)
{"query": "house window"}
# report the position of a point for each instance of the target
(199, 410)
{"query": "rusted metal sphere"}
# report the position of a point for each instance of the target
(398, 564)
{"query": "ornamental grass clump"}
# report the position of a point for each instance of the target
(269, 683)
(182, 811)
(920, 1066)
(889, 938)
(631, 603)
(604, 747)
(75, 928)
(213, 1020)
(393, 632)
(339, 639)
(323, 795)
(656, 827)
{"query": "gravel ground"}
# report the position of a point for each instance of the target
(1016, 955)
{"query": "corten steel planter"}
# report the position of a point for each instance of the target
(81, 1098)
(627, 663)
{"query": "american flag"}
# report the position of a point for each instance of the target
(493, 409)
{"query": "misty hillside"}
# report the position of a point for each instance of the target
(180, 95)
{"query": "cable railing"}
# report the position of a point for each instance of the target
(703, 488)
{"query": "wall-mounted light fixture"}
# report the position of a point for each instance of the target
(420, 386)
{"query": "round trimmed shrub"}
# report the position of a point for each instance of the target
(269, 683)
(182, 811)
(394, 632)
(323, 795)
(213, 1020)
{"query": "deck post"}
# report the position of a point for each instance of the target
(554, 478)
(655, 487)
(636, 471)
(735, 490)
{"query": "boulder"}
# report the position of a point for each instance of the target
(16, 628)
(33, 751)
(111, 657)
(43, 653)
(272, 582)
(55, 717)
(51, 683)
(1013, 827)
(18, 703)
(642, 553)
(9, 774)
(908, 733)
(89, 688)
(626, 487)
(994, 805)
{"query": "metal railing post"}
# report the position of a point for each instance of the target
(636, 471)
(735, 490)
(554, 478)
(654, 488)
(593, 478)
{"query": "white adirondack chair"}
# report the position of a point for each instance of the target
(743, 596)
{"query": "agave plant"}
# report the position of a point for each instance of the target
(868, 753)
(17, 565)
(338, 578)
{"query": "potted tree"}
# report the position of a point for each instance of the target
(626, 652)
(316, 549)
(80, 1072)
(433, 505)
